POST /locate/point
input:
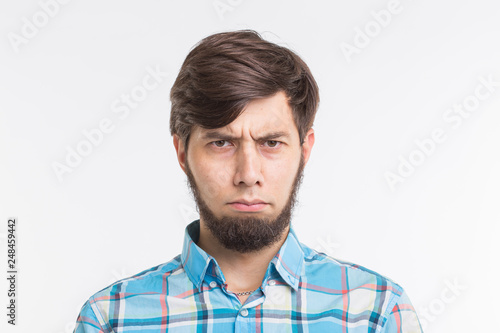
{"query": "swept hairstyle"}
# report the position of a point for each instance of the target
(225, 71)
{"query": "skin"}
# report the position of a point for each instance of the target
(246, 167)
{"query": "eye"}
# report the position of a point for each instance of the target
(273, 143)
(219, 143)
(225, 143)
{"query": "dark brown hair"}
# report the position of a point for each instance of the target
(225, 71)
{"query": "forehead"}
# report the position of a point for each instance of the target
(260, 116)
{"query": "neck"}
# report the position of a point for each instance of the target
(243, 271)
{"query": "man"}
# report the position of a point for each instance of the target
(241, 120)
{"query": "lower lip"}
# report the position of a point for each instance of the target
(248, 208)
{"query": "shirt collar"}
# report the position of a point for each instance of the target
(288, 262)
(194, 260)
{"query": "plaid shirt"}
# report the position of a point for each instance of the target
(302, 291)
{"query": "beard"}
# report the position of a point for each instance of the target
(247, 233)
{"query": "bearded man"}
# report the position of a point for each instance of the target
(242, 115)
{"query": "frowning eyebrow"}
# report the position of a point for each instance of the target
(216, 135)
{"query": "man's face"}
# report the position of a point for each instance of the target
(245, 176)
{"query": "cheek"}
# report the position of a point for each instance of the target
(281, 179)
(209, 175)
(212, 182)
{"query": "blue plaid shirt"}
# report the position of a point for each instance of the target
(302, 291)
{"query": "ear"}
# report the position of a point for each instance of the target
(181, 152)
(308, 144)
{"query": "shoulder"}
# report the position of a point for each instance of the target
(146, 281)
(95, 312)
(356, 274)
(365, 289)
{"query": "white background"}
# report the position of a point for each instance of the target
(123, 209)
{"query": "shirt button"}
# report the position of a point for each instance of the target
(244, 312)
(272, 283)
(213, 284)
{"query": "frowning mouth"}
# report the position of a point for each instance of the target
(248, 206)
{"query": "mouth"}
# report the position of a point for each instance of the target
(248, 206)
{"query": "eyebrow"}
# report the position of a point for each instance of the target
(212, 135)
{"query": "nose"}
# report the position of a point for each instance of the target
(248, 166)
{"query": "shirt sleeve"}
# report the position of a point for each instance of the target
(87, 321)
(402, 318)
